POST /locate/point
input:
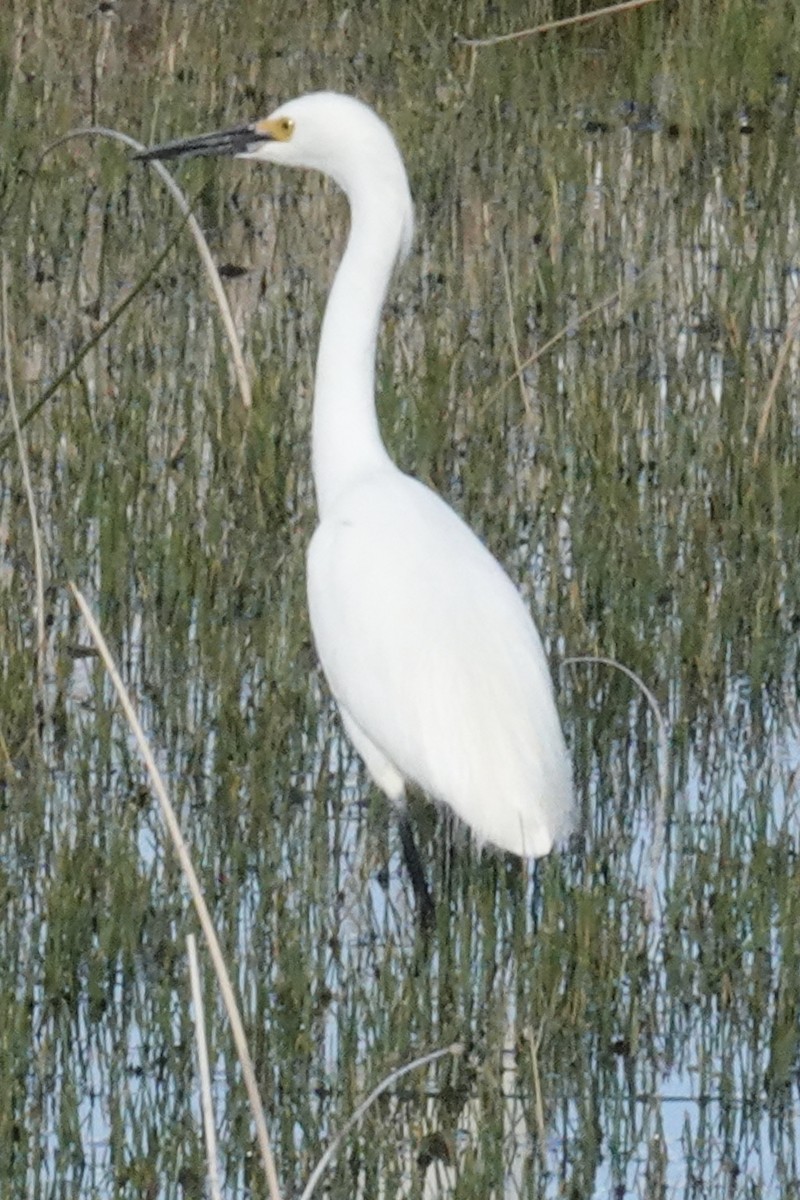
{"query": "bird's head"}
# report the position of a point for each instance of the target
(323, 131)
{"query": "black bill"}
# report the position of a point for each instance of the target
(226, 141)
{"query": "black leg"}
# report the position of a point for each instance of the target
(426, 912)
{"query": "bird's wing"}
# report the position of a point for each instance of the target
(427, 645)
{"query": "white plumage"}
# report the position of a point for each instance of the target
(436, 664)
(427, 646)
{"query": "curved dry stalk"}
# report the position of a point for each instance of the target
(581, 19)
(314, 1178)
(660, 814)
(203, 1069)
(38, 560)
(206, 924)
(202, 245)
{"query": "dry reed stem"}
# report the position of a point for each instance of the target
(535, 1041)
(792, 326)
(519, 366)
(182, 853)
(567, 329)
(206, 1102)
(581, 19)
(5, 757)
(41, 636)
(454, 1049)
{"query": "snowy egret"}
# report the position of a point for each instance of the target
(433, 658)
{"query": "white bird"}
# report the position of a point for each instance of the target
(433, 658)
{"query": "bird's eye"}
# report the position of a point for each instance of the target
(275, 129)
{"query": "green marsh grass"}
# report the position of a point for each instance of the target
(652, 156)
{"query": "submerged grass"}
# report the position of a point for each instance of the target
(654, 157)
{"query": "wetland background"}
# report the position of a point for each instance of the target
(632, 1026)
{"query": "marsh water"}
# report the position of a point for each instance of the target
(591, 352)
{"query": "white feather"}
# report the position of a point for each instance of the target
(431, 653)
(428, 648)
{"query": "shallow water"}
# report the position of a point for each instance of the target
(631, 1027)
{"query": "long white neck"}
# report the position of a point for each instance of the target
(346, 440)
